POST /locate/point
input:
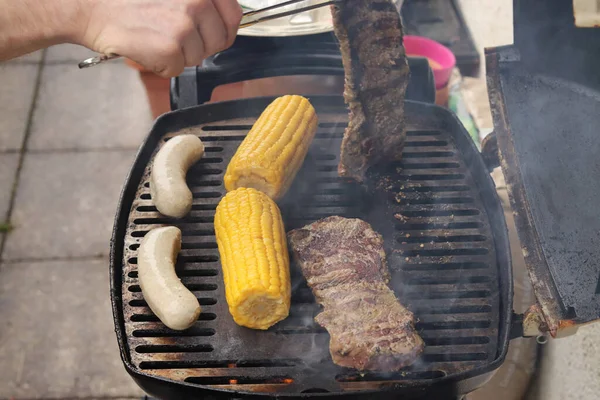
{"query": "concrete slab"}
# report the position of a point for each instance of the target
(32, 58)
(17, 81)
(66, 203)
(571, 367)
(8, 169)
(490, 23)
(57, 338)
(96, 108)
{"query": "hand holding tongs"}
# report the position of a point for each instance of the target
(248, 19)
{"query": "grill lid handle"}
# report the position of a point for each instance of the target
(255, 58)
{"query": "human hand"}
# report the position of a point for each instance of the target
(163, 36)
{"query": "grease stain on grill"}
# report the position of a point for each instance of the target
(170, 221)
(432, 165)
(220, 364)
(433, 295)
(442, 239)
(456, 341)
(446, 266)
(196, 348)
(198, 245)
(427, 154)
(441, 280)
(443, 252)
(454, 357)
(203, 301)
(185, 272)
(153, 318)
(432, 177)
(429, 326)
(209, 160)
(205, 171)
(436, 200)
(194, 287)
(439, 208)
(239, 380)
(186, 245)
(165, 332)
(432, 226)
(435, 189)
(184, 258)
(197, 182)
(184, 231)
(206, 195)
(397, 376)
(437, 213)
(213, 149)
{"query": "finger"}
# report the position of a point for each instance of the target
(193, 49)
(212, 30)
(153, 51)
(231, 14)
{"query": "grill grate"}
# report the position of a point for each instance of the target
(440, 250)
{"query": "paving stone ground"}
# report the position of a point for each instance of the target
(80, 130)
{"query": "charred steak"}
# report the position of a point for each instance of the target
(376, 76)
(344, 264)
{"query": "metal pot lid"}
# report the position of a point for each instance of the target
(306, 23)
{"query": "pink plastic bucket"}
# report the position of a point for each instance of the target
(443, 59)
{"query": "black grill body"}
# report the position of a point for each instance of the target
(258, 57)
(445, 237)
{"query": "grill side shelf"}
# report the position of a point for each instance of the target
(440, 251)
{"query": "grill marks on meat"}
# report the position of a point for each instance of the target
(376, 77)
(344, 264)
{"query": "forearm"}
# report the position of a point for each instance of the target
(29, 25)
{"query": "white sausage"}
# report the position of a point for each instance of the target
(167, 297)
(168, 188)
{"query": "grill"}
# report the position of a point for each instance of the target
(445, 238)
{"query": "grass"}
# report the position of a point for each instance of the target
(6, 227)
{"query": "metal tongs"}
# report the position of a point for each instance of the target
(248, 19)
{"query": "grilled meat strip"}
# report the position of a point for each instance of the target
(344, 264)
(376, 77)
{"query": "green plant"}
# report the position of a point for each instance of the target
(5, 227)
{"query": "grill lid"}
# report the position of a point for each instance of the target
(545, 99)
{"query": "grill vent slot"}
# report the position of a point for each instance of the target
(232, 364)
(400, 376)
(239, 380)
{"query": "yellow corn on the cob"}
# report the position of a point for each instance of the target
(254, 256)
(274, 149)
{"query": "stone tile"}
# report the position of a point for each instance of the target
(34, 57)
(68, 53)
(101, 107)
(17, 82)
(66, 203)
(8, 168)
(490, 23)
(571, 367)
(57, 337)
